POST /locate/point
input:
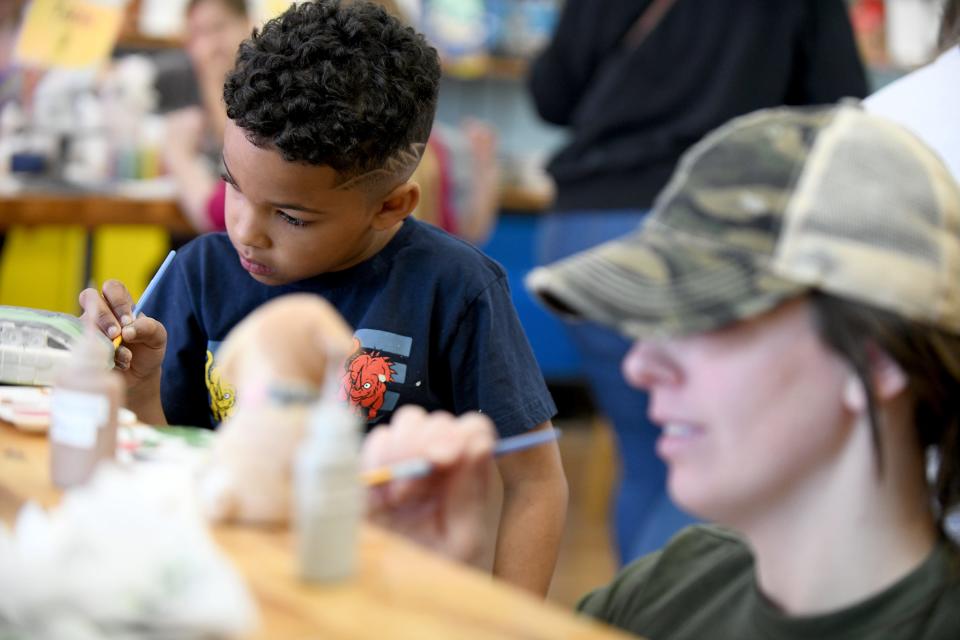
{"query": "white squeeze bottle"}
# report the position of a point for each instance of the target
(329, 499)
(85, 401)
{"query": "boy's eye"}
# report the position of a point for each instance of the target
(289, 219)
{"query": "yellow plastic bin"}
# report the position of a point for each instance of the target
(43, 267)
(129, 253)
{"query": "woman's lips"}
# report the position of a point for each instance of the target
(677, 439)
(255, 267)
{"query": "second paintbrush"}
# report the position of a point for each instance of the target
(418, 467)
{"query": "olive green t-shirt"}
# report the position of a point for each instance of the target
(702, 585)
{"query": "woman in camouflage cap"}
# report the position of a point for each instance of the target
(795, 301)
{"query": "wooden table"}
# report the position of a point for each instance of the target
(89, 210)
(402, 591)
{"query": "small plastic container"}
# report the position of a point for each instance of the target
(83, 422)
(328, 495)
(35, 345)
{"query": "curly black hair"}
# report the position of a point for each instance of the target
(342, 85)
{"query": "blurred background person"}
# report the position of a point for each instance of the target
(214, 30)
(637, 84)
(9, 23)
(459, 175)
(17, 82)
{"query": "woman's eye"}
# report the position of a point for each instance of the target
(289, 219)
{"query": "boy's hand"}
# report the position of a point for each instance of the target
(443, 511)
(140, 355)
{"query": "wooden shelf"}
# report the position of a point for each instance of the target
(471, 68)
(140, 41)
(521, 200)
(89, 211)
(484, 67)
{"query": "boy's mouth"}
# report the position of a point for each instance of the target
(255, 267)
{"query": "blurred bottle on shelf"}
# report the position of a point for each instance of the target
(456, 27)
(528, 27)
(87, 158)
(85, 128)
(496, 16)
(85, 402)
(911, 27)
(468, 32)
(12, 135)
(160, 18)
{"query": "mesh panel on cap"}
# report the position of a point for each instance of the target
(854, 203)
(849, 233)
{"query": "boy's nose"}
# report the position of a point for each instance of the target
(647, 365)
(248, 227)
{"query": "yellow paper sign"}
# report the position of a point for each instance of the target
(273, 8)
(72, 34)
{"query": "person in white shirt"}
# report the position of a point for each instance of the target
(927, 100)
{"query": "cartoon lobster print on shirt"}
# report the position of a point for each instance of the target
(365, 380)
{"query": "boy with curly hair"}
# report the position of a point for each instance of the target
(329, 108)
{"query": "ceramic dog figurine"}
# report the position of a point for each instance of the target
(275, 361)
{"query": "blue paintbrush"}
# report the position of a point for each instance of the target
(418, 467)
(147, 292)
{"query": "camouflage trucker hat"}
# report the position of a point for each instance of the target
(767, 207)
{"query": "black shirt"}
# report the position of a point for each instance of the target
(632, 113)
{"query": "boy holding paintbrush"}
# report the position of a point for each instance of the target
(329, 108)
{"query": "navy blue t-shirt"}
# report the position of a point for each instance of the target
(433, 318)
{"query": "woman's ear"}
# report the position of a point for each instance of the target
(854, 397)
(886, 376)
(397, 205)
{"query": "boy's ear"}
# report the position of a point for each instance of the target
(397, 205)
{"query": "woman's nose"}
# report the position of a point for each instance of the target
(647, 364)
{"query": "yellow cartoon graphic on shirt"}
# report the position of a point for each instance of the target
(223, 396)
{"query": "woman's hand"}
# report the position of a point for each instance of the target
(443, 511)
